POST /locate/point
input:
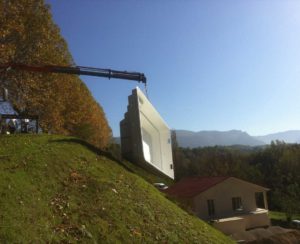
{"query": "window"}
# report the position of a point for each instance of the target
(211, 207)
(237, 204)
(259, 198)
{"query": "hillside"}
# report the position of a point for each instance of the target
(61, 189)
(192, 139)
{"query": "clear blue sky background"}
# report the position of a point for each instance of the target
(211, 65)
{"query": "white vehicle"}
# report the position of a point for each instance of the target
(161, 186)
(296, 223)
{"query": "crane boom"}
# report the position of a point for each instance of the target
(78, 70)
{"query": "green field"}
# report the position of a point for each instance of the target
(281, 216)
(280, 219)
(61, 189)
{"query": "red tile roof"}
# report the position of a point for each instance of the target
(191, 187)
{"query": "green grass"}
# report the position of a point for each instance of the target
(60, 189)
(280, 219)
(281, 216)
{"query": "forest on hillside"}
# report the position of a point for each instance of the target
(63, 103)
(276, 166)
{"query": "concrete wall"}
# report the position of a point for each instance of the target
(222, 195)
(230, 226)
(241, 223)
(258, 219)
(145, 137)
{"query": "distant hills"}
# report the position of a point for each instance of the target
(193, 139)
(290, 136)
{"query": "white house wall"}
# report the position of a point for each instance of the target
(222, 195)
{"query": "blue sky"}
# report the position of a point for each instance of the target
(210, 65)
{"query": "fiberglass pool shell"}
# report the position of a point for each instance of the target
(145, 137)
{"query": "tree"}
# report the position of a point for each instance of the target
(63, 103)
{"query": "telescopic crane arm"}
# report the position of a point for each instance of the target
(78, 70)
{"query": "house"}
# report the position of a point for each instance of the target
(5, 105)
(11, 121)
(230, 204)
(6, 109)
(145, 137)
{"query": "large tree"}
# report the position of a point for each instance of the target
(63, 102)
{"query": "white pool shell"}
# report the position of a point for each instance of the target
(145, 137)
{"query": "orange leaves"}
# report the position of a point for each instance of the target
(63, 102)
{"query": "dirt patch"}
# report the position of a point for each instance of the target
(271, 235)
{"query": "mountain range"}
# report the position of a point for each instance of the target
(186, 138)
(290, 136)
(192, 139)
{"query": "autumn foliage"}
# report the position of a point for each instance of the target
(63, 102)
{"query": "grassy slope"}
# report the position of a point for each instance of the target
(56, 188)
